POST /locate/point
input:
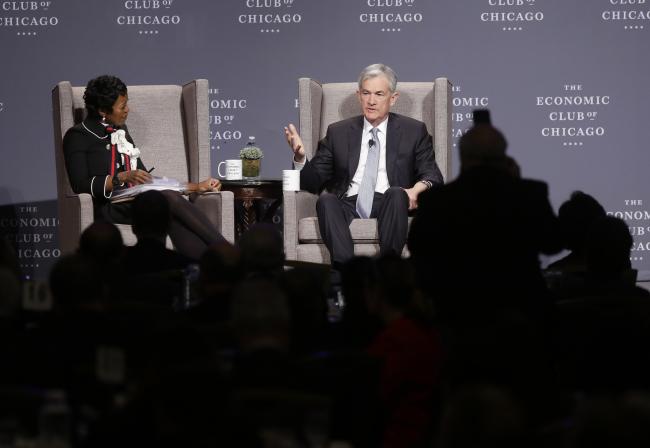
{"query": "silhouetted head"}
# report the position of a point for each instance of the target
(262, 249)
(74, 282)
(150, 215)
(482, 145)
(608, 247)
(260, 315)
(576, 215)
(101, 242)
(220, 271)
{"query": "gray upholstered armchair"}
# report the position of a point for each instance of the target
(323, 104)
(170, 124)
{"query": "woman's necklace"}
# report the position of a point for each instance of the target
(101, 138)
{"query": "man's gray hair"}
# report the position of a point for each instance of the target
(375, 70)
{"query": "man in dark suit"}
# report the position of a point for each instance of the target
(369, 166)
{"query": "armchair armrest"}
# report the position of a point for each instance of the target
(296, 206)
(75, 214)
(219, 207)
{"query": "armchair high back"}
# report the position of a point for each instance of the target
(324, 104)
(169, 123)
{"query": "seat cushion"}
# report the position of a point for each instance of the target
(362, 230)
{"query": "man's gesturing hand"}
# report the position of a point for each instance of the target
(295, 143)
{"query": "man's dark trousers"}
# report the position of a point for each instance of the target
(335, 215)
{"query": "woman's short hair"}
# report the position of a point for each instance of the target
(101, 93)
(375, 70)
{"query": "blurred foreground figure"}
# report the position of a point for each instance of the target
(476, 241)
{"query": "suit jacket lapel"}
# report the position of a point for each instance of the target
(354, 146)
(393, 137)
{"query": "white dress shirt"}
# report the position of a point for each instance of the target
(382, 176)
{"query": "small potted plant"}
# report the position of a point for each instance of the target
(251, 157)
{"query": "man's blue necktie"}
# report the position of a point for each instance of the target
(369, 181)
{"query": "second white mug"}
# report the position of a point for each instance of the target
(290, 180)
(233, 169)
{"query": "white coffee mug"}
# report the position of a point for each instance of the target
(290, 180)
(233, 169)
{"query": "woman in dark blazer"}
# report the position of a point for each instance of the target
(100, 158)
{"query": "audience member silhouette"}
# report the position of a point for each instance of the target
(151, 218)
(476, 241)
(306, 288)
(359, 281)
(603, 330)
(269, 389)
(262, 251)
(608, 270)
(615, 421)
(10, 280)
(9, 260)
(219, 274)
(12, 349)
(102, 243)
(260, 319)
(102, 246)
(575, 217)
(75, 284)
(608, 247)
(411, 354)
(484, 417)
(10, 294)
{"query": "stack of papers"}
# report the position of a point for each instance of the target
(158, 183)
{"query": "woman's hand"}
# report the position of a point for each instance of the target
(135, 177)
(210, 184)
